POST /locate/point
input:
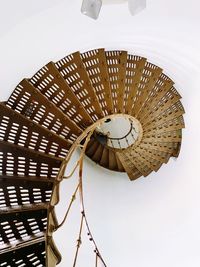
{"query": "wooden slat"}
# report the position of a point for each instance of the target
(75, 74)
(52, 84)
(19, 130)
(42, 181)
(116, 62)
(30, 102)
(23, 211)
(95, 63)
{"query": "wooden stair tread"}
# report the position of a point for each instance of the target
(52, 84)
(95, 64)
(29, 101)
(78, 80)
(20, 130)
(116, 63)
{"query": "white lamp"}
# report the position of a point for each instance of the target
(91, 8)
(136, 6)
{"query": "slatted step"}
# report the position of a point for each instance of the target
(134, 71)
(19, 130)
(52, 84)
(75, 74)
(17, 160)
(132, 172)
(116, 62)
(96, 66)
(162, 86)
(148, 80)
(30, 102)
(104, 161)
(15, 191)
(21, 224)
(31, 253)
(98, 153)
(112, 161)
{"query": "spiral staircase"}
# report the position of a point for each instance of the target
(48, 116)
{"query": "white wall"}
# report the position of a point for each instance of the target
(150, 222)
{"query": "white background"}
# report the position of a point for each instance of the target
(151, 222)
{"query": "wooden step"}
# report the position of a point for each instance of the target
(30, 102)
(17, 160)
(28, 254)
(98, 153)
(15, 191)
(157, 155)
(116, 63)
(19, 130)
(165, 117)
(134, 71)
(139, 162)
(104, 162)
(52, 84)
(168, 126)
(162, 86)
(75, 74)
(92, 147)
(96, 66)
(153, 163)
(161, 107)
(112, 161)
(18, 224)
(119, 164)
(161, 147)
(131, 170)
(148, 80)
(173, 136)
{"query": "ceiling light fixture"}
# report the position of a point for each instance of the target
(92, 8)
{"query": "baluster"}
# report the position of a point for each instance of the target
(112, 143)
(127, 141)
(119, 144)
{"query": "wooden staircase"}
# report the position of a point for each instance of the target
(44, 117)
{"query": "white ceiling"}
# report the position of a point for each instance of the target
(151, 222)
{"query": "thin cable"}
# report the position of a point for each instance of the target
(79, 241)
(83, 211)
(76, 190)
